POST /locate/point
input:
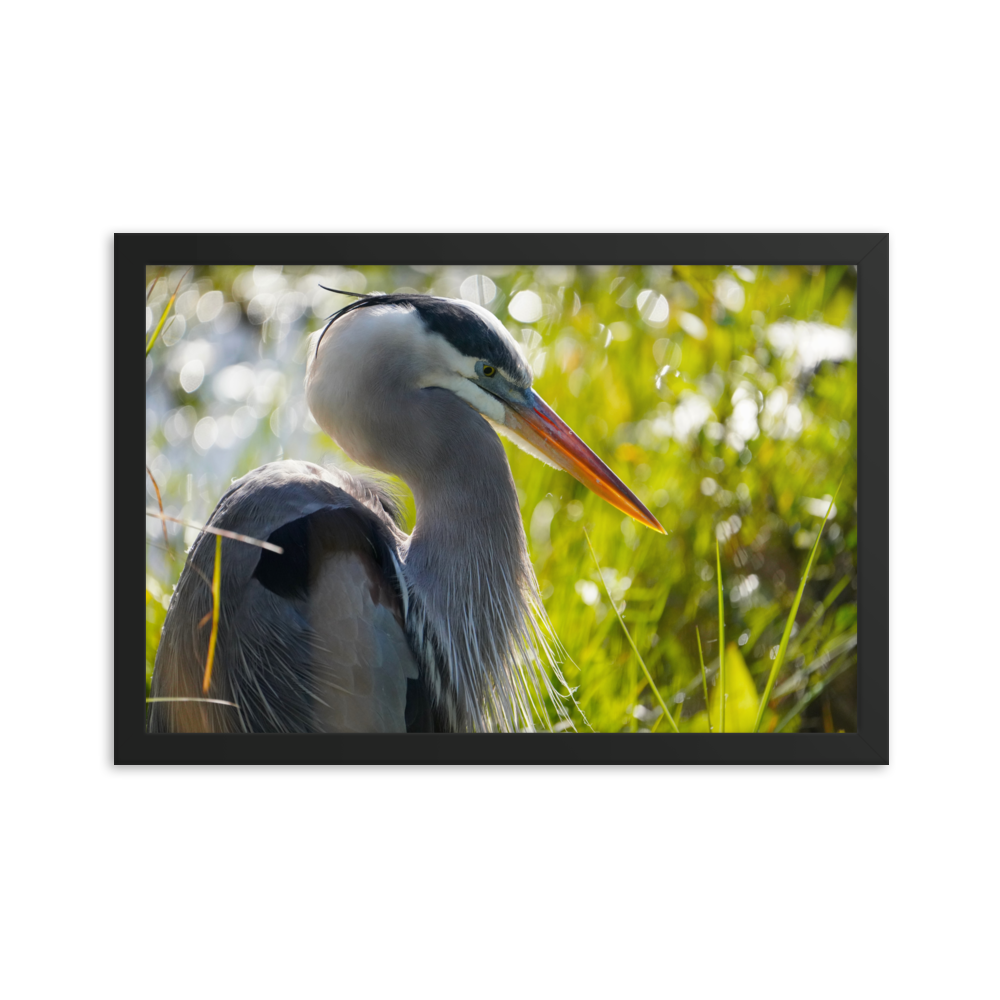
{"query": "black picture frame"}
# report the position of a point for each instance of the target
(869, 251)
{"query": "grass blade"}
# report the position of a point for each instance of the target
(704, 679)
(628, 635)
(816, 691)
(216, 589)
(676, 721)
(835, 592)
(656, 725)
(722, 645)
(220, 532)
(170, 302)
(159, 327)
(206, 701)
(786, 635)
(159, 501)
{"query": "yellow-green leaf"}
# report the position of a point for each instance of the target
(741, 705)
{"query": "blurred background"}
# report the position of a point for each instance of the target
(724, 397)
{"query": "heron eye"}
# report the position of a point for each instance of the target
(488, 370)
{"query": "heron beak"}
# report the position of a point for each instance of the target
(541, 427)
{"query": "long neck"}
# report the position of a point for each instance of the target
(468, 569)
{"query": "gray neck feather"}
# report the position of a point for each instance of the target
(475, 615)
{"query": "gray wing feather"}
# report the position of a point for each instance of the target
(362, 660)
(311, 641)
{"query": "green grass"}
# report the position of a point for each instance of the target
(704, 677)
(789, 624)
(628, 635)
(154, 336)
(722, 643)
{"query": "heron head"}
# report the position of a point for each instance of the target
(421, 341)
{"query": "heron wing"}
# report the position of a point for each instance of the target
(362, 661)
(312, 640)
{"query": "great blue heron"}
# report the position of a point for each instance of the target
(358, 627)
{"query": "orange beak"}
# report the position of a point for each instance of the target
(541, 427)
